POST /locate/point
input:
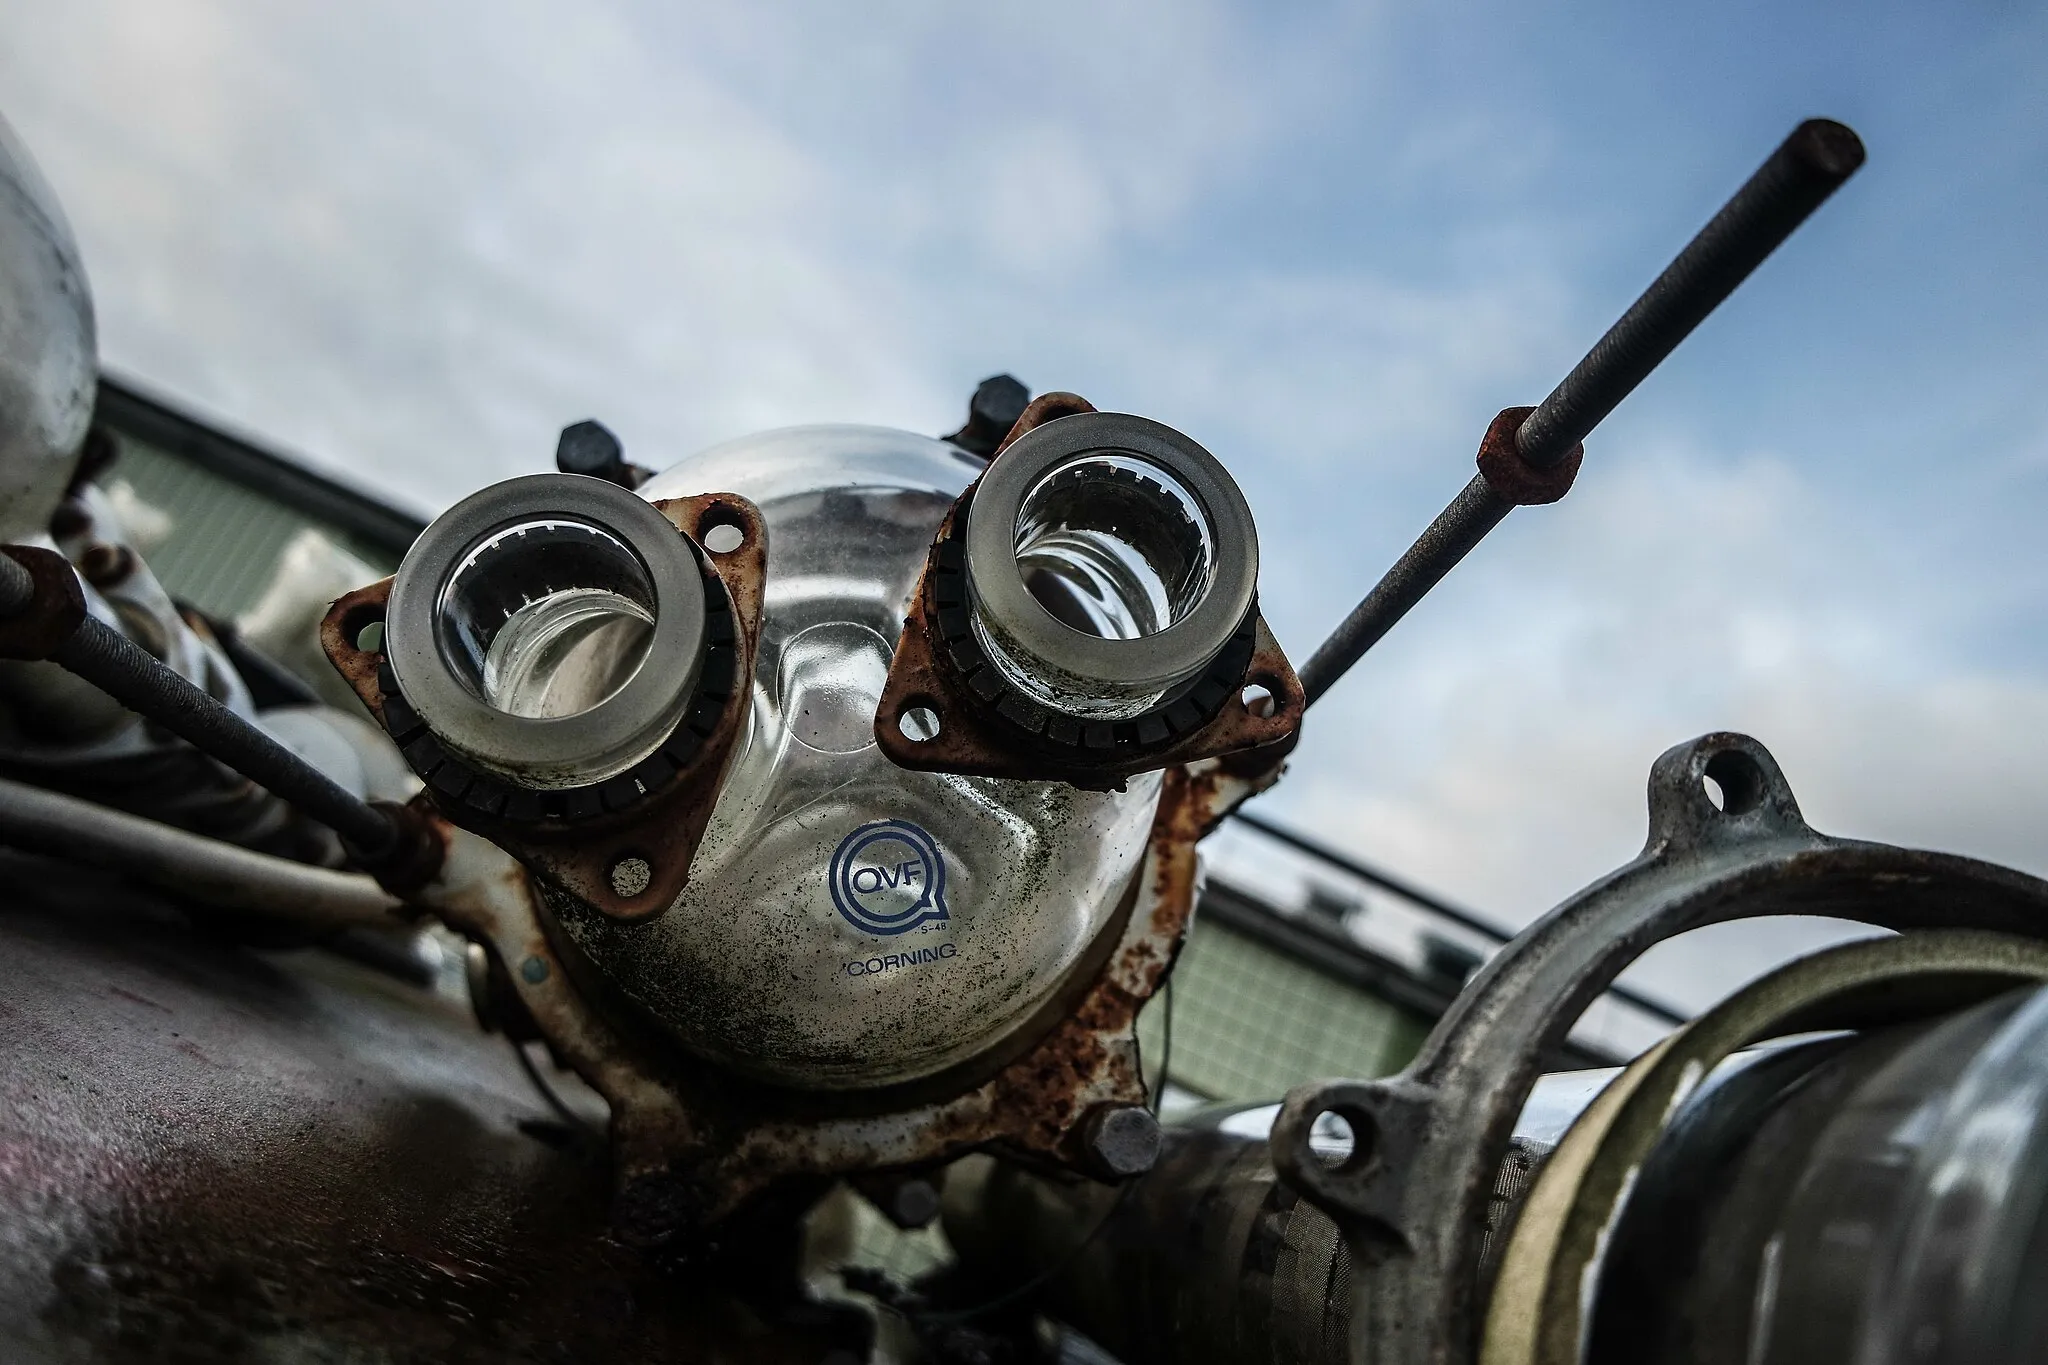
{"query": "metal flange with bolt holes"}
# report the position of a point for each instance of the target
(1411, 1197)
(624, 845)
(948, 707)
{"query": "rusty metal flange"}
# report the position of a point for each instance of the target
(624, 845)
(1247, 699)
(1412, 1197)
(693, 1145)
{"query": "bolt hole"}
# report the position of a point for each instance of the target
(631, 876)
(721, 529)
(1259, 700)
(918, 723)
(1733, 782)
(1343, 1141)
(363, 627)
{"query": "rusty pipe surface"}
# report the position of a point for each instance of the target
(1797, 178)
(223, 874)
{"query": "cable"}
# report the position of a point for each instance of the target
(1165, 1048)
(1036, 1282)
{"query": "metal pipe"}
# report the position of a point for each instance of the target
(1797, 178)
(138, 680)
(40, 821)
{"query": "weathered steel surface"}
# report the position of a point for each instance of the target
(1428, 1141)
(212, 1155)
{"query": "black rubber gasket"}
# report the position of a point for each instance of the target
(1182, 712)
(453, 779)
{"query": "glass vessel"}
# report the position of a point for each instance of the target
(849, 923)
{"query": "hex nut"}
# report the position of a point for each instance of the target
(1121, 1140)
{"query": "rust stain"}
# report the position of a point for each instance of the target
(1047, 407)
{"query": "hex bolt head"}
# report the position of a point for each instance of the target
(1121, 1140)
(590, 448)
(915, 1204)
(998, 402)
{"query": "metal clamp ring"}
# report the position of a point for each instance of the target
(560, 751)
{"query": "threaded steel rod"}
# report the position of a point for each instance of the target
(1797, 178)
(17, 586)
(1808, 166)
(1474, 512)
(124, 671)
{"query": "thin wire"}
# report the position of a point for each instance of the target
(1066, 1262)
(1165, 1049)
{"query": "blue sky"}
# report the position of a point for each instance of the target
(1327, 241)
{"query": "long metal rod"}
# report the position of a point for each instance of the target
(39, 821)
(130, 675)
(1459, 527)
(1429, 901)
(1799, 176)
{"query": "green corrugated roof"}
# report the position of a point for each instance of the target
(225, 540)
(1250, 1022)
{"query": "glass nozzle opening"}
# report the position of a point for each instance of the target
(1109, 560)
(547, 618)
(549, 629)
(1113, 546)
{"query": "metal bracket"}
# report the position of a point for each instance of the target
(1412, 1197)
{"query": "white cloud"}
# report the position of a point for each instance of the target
(1496, 746)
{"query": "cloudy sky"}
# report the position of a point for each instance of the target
(1329, 241)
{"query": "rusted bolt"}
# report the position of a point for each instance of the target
(106, 566)
(631, 877)
(908, 1201)
(1121, 1140)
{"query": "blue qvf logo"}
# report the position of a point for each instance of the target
(888, 878)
